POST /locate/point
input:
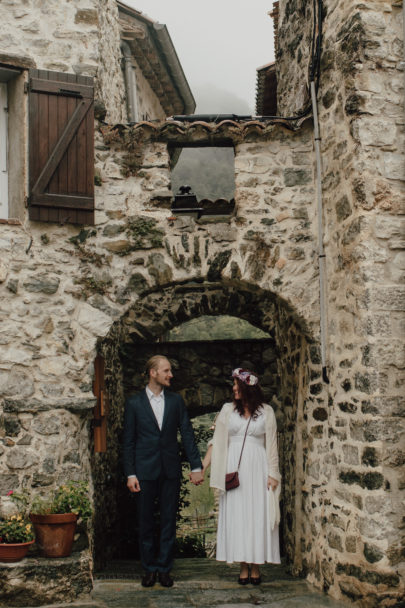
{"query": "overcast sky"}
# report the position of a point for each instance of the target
(219, 42)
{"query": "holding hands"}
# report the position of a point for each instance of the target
(271, 483)
(197, 478)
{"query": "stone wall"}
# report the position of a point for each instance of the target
(149, 107)
(80, 37)
(68, 293)
(361, 122)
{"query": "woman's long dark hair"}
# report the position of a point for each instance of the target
(252, 399)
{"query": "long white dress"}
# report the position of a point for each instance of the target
(244, 531)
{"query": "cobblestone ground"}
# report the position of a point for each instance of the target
(202, 583)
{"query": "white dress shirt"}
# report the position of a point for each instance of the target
(158, 405)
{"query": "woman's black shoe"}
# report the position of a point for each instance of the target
(244, 581)
(255, 580)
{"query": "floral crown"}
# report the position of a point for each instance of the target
(245, 376)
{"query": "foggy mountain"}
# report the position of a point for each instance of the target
(210, 171)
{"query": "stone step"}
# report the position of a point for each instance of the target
(199, 583)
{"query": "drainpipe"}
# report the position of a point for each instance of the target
(403, 43)
(130, 81)
(321, 253)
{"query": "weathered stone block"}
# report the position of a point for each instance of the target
(21, 458)
(297, 177)
(158, 269)
(372, 554)
(394, 165)
(351, 544)
(95, 321)
(347, 407)
(335, 541)
(370, 457)
(11, 426)
(8, 481)
(351, 454)
(374, 578)
(47, 424)
(27, 582)
(34, 405)
(370, 131)
(387, 227)
(137, 283)
(42, 283)
(88, 16)
(343, 209)
(320, 413)
(217, 265)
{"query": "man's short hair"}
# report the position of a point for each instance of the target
(153, 363)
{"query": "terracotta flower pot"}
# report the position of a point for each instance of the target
(54, 533)
(14, 552)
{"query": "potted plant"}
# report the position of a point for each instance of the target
(55, 517)
(16, 532)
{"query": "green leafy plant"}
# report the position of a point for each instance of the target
(71, 497)
(17, 528)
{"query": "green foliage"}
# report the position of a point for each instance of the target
(82, 236)
(92, 285)
(190, 546)
(215, 328)
(15, 529)
(144, 233)
(71, 497)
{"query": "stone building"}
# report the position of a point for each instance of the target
(88, 279)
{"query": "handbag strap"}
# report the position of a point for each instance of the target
(243, 445)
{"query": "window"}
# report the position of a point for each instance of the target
(12, 164)
(203, 180)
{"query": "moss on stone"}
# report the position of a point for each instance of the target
(144, 233)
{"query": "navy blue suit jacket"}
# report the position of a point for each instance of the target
(148, 451)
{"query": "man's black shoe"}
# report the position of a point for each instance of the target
(149, 579)
(165, 579)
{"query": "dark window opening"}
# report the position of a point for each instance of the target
(203, 180)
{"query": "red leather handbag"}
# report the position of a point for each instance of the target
(232, 479)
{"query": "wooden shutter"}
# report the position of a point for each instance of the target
(101, 409)
(61, 147)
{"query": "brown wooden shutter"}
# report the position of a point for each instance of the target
(101, 409)
(61, 147)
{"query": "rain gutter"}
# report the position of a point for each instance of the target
(175, 69)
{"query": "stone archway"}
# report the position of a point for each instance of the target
(297, 365)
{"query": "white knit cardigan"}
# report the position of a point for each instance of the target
(219, 456)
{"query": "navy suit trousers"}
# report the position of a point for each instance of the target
(166, 492)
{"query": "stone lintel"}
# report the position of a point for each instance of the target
(199, 133)
(36, 405)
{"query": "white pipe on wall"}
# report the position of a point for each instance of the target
(321, 253)
(130, 81)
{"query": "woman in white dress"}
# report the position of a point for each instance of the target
(249, 514)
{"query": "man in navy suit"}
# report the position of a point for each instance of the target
(152, 464)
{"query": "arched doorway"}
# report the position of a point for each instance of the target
(290, 361)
